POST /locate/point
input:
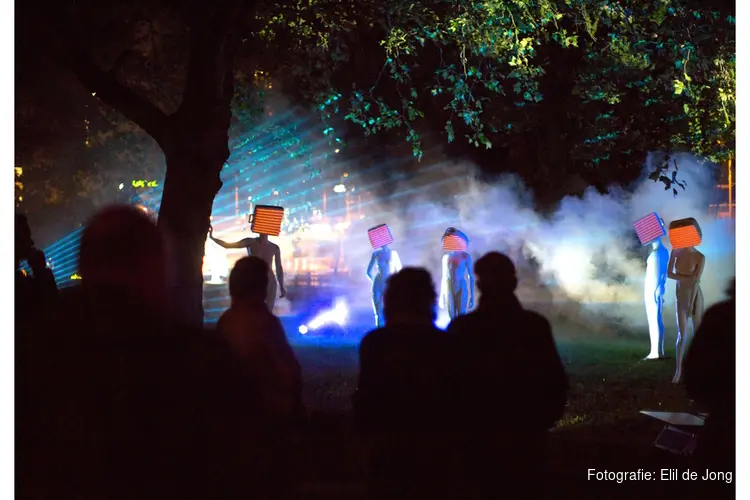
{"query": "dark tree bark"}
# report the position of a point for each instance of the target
(194, 141)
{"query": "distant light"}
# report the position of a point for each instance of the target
(93, 94)
(249, 198)
(275, 193)
(346, 174)
(339, 188)
(303, 330)
(121, 186)
(336, 150)
(362, 216)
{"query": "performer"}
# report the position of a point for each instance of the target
(262, 248)
(650, 230)
(457, 285)
(686, 266)
(383, 264)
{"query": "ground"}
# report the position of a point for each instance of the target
(602, 427)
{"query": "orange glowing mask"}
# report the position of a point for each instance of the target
(380, 236)
(267, 219)
(455, 241)
(685, 233)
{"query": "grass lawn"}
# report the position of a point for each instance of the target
(601, 428)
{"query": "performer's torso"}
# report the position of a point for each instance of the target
(383, 259)
(457, 263)
(266, 251)
(687, 260)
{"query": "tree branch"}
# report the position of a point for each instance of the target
(105, 86)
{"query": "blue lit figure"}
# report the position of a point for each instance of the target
(457, 285)
(653, 295)
(383, 264)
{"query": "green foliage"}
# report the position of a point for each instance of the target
(663, 70)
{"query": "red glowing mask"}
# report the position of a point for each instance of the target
(267, 219)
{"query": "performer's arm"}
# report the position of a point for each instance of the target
(670, 267)
(444, 283)
(395, 262)
(671, 274)
(279, 270)
(697, 279)
(244, 243)
(371, 267)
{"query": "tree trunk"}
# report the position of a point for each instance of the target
(191, 184)
(196, 150)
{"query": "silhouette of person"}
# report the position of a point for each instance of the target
(653, 295)
(457, 284)
(126, 404)
(268, 252)
(35, 291)
(709, 378)
(513, 385)
(402, 402)
(686, 267)
(383, 264)
(258, 338)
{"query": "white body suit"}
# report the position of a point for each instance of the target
(383, 264)
(653, 296)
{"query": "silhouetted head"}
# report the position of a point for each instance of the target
(23, 241)
(122, 248)
(410, 297)
(496, 275)
(248, 279)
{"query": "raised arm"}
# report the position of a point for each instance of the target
(395, 262)
(243, 243)
(444, 283)
(371, 267)
(279, 269)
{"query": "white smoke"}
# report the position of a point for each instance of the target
(584, 246)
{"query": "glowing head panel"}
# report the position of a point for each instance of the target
(267, 220)
(455, 241)
(685, 233)
(649, 228)
(380, 236)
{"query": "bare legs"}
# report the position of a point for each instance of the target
(685, 330)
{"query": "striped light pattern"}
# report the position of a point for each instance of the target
(649, 228)
(454, 243)
(267, 220)
(380, 236)
(685, 233)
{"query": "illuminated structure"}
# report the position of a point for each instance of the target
(650, 230)
(457, 284)
(19, 186)
(383, 264)
(686, 266)
(724, 207)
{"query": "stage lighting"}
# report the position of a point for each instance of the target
(339, 188)
(303, 330)
(337, 315)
